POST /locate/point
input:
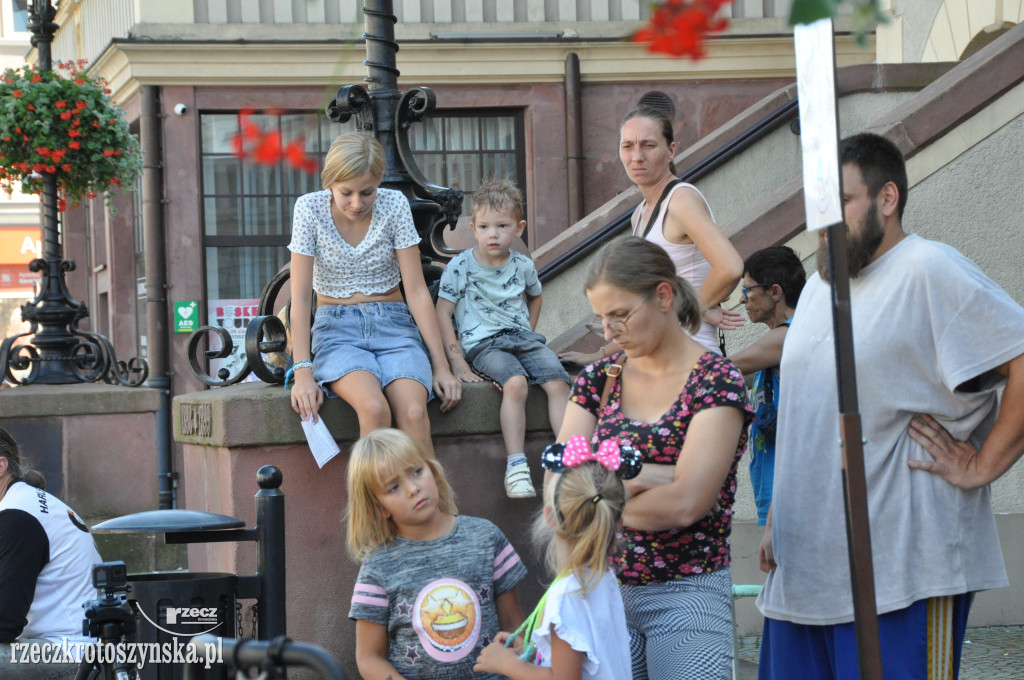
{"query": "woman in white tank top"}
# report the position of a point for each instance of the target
(682, 224)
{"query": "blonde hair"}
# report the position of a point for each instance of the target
(500, 195)
(587, 502)
(636, 265)
(375, 458)
(351, 155)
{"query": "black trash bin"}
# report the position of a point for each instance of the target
(173, 607)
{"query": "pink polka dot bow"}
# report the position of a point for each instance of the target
(577, 451)
(622, 459)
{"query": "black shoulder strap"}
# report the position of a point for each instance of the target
(657, 206)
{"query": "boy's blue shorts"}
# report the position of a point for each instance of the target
(516, 352)
(921, 642)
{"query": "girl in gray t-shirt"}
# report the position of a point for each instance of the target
(435, 587)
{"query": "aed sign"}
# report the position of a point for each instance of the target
(186, 316)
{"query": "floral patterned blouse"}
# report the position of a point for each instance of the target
(656, 556)
(340, 269)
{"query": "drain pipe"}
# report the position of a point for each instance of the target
(156, 285)
(574, 136)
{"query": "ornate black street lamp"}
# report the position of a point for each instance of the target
(58, 352)
(382, 109)
(389, 117)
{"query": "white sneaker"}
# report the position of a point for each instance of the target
(517, 482)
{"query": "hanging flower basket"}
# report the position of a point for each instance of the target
(62, 122)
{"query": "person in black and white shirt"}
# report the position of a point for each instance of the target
(46, 559)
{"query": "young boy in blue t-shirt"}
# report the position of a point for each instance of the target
(494, 294)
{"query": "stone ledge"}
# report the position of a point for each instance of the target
(258, 414)
(33, 401)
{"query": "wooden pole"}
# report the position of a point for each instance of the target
(819, 138)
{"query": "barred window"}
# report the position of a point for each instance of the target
(462, 149)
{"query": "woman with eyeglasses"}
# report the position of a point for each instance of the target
(677, 217)
(685, 409)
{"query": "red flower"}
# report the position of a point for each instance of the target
(16, 94)
(679, 27)
(66, 115)
(62, 205)
(36, 78)
(265, 148)
(79, 81)
(296, 156)
(74, 133)
(31, 107)
(108, 152)
(61, 104)
(43, 151)
(74, 145)
(268, 149)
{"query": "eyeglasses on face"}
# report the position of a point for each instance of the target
(616, 326)
(745, 290)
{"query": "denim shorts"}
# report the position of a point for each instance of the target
(379, 337)
(516, 352)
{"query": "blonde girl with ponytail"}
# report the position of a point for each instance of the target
(578, 629)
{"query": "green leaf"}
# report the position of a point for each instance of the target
(809, 11)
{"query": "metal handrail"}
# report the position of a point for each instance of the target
(270, 658)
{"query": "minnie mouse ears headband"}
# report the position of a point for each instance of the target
(623, 460)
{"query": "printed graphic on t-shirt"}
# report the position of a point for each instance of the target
(446, 618)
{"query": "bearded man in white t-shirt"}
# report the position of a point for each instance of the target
(933, 340)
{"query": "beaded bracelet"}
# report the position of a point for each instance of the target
(291, 371)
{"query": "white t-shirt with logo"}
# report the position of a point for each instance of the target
(44, 543)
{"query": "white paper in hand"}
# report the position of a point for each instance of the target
(321, 443)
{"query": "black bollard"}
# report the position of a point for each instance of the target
(270, 565)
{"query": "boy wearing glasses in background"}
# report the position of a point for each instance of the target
(495, 296)
(772, 281)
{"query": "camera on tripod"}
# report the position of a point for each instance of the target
(110, 577)
(110, 620)
(109, 617)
